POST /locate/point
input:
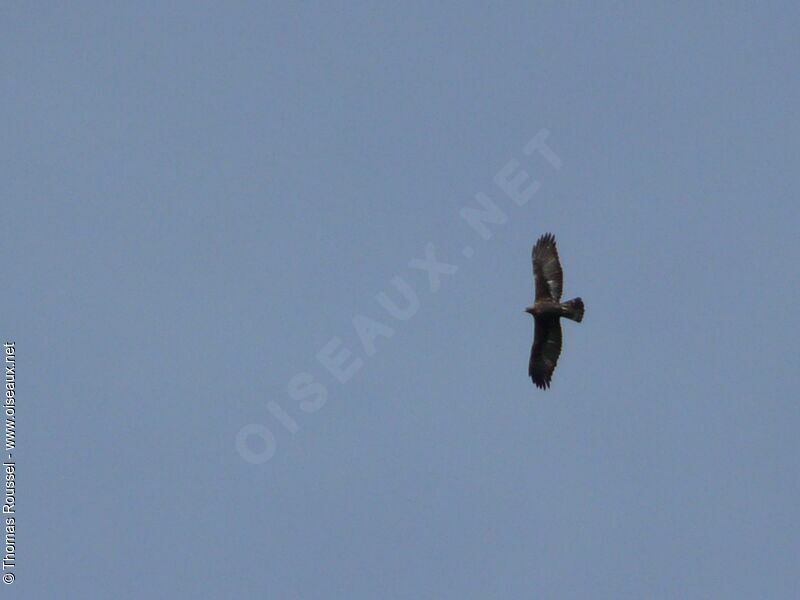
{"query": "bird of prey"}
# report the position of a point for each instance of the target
(547, 310)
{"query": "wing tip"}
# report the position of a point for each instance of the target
(546, 238)
(542, 384)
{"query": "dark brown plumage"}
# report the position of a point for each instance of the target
(547, 311)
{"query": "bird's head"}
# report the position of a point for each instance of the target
(529, 310)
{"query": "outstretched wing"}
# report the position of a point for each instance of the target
(546, 350)
(547, 268)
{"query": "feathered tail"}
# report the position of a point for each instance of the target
(573, 309)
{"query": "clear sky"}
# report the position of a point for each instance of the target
(201, 199)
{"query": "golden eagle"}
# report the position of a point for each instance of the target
(547, 310)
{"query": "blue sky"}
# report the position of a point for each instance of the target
(199, 197)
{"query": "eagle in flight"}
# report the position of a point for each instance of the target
(547, 310)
